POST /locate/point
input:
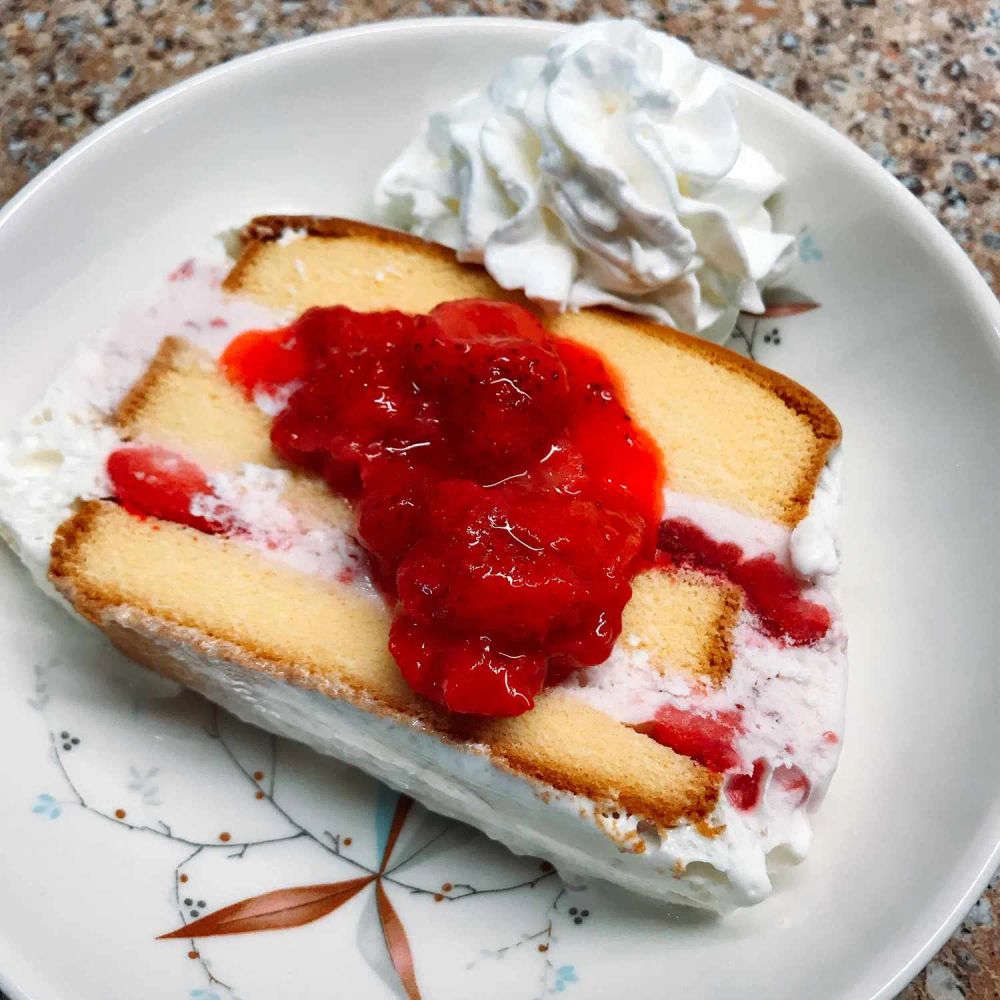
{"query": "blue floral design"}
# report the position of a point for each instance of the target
(808, 251)
(565, 975)
(204, 995)
(41, 698)
(47, 806)
(142, 781)
(385, 809)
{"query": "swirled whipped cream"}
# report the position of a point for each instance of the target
(609, 171)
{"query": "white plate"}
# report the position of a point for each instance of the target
(905, 349)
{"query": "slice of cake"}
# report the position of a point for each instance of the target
(670, 696)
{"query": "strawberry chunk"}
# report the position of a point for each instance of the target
(707, 739)
(501, 385)
(151, 481)
(465, 674)
(774, 594)
(744, 790)
(688, 545)
(263, 359)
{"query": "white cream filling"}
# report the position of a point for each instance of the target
(791, 696)
(815, 548)
(251, 502)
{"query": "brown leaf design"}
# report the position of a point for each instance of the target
(396, 941)
(779, 301)
(274, 910)
(403, 804)
(775, 310)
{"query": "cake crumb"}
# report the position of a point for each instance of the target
(707, 830)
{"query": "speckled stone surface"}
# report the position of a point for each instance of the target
(914, 83)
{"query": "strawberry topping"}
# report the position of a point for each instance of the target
(505, 496)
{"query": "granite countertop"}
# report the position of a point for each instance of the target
(913, 83)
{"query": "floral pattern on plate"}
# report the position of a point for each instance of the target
(755, 331)
(392, 849)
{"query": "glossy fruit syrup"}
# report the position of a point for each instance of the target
(504, 494)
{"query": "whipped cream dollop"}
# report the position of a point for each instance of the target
(609, 171)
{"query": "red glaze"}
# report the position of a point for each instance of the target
(151, 481)
(504, 494)
(743, 790)
(773, 592)
(465, 672)
(705, 738)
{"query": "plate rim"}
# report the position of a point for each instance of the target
(960, 270)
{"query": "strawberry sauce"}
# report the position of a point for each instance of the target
(504, 494)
